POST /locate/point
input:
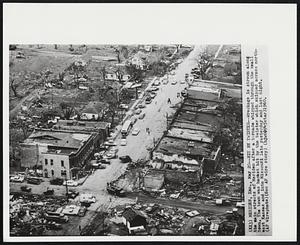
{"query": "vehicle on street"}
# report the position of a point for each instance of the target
(165, 81)
(240, 204)
(184, 93)
(54, 226)
(114, 190)
(17, 178)
(142, 116)
(174, 82)
(156, 83)
(133, 120)
(110, 142)
(112, 153)
(153, 89)
(135, 131)
(124, 106)
(25, 188)
(72, 194)
(126, 127)
(141, 106)
(105, 161)
(56, 181)
(182, 82)
(59, 217)
(148, 100)
(48, 192)
(152, 95)
(82, 211)
(70, 183)
(152, 208)
(125, 159)
(222, 202)
(138, 111)
(192, 213)
(34, 180)
(123, 142)
(87, 198)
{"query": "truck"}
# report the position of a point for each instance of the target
(114, 190)
(126, 128)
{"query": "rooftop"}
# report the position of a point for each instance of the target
(199, 118)
(94, 107)
(64, 139)
(170, 145)
(82, 125)
(191, 134)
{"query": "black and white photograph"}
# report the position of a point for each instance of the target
(117, 130)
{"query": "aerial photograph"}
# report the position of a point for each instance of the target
(125, 140)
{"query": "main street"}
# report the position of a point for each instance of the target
(155, 119)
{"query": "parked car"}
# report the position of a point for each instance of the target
(123, 142)
(182, 82)
(124, 106)
(25, 188)
(141, 106)
(72, 194)
(114, 190)
(152, 95)
(240, 204)
(34, 180)
(125, 159)
(82, 211)
(17, 178)
(133, 120)
(110, 142)
(153, 89)
(138, 111)
(135, 131)
(56, 181)
(142, 116)
(148, 100)
(87, 198)
(60, 218)
(105, 161)
(53, 226)
(48, 192)
(174, 82)
(70, 183)
(112, 153)
(156, 83)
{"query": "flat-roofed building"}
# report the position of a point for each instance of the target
(58, 152)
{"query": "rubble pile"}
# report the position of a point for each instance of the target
(27, 214)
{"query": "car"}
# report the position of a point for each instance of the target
(240, 204)
(123, 142)
(135, 131)
(142, 116)
(141, 106)
(192, 213)
(124, 106)
(125, 159)
(54, 226)
(152, 89)
(56, 181)
(82, 211)
(115, 190)
(72, 194)
(105, 161)
(112, 153)
(59, 217)
(25, 188)
(34, 180)
(87, 198)
(184, 93)
(48, 192)
(17, 178)
(152, 208)
(148, 100)
(156, 83)
(182, 82)
(165, 81)
(152, 95)
(110, 142)
(133, 120)
(70, 183)
(174, 82)
(138, 111)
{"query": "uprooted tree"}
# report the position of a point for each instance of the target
(14, 86)
(136, 74)
(67, 109)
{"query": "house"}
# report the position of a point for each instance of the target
(134, 220)
(60, 153)
(204, 93)
(99, 128)
(114, 77)
(93, 111)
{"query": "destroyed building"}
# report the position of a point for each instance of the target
(59, 153)
(93, 111)
(101, 129)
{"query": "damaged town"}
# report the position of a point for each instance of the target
(125, 140)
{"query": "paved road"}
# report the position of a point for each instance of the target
(155, 119)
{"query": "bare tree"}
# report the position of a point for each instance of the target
(14, 86)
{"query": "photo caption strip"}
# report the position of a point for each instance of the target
(257, 175)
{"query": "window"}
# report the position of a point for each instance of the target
(51, 162)
(63, 172)
(62, 163)
(52, 172)
(46, 161)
